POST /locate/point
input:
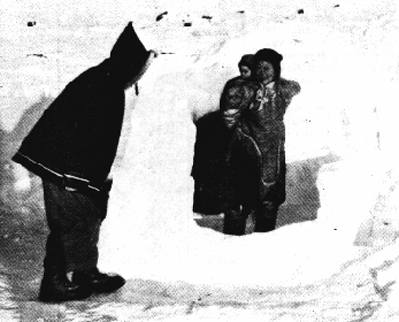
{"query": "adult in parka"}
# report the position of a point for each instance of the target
(257, 121)
(72, 148)
(216, 190)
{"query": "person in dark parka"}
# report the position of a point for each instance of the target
(240, 164)
(237, 94)
(72, 148)
(260, 131)
(216, 189)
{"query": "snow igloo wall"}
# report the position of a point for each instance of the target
(337, 135)
(341, 54)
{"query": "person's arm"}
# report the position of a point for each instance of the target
(294, 88)
(289, 89)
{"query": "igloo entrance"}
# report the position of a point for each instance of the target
(324, 137)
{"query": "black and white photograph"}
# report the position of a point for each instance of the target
(199, 160)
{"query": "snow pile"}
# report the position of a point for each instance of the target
(161, 238)
(340, 54)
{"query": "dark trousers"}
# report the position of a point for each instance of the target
(266, 217)
(235, 221)
(245, 175)
(264, 198)
(74, 221)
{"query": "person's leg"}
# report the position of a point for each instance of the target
(235, 221)
(271, 187)
(74, 221)
(55, 286)
(84, 262)
(266, 217)
(81, 232)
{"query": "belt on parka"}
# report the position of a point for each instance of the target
(69, 182)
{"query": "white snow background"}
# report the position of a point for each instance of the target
(343, 53)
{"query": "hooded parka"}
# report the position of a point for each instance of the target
(260, 134)
(75, 141)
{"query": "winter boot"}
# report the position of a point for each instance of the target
(58, 288)
(99, 282)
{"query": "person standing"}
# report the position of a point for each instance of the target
(72, 148)
(216, 189)
(245, 67)
(237, 94)
(259, 127)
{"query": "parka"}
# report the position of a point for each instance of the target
(259, 135)
(75, 141)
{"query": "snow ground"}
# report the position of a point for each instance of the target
(341, 52)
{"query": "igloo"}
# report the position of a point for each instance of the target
(332, 120)
(343, 117)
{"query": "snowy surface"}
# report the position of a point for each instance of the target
(342, 53)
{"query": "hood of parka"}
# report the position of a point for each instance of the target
(128, 55)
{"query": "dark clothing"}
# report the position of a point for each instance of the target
(75, 141)
(74, 221)
(72, 148)
(260, 131)
(78, 134)
(266, 216)
(255, 114)
(242, 160)
(219, 185)
(214, 191)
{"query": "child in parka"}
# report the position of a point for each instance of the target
(216, 189)
(237, 94)
(258, 123)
